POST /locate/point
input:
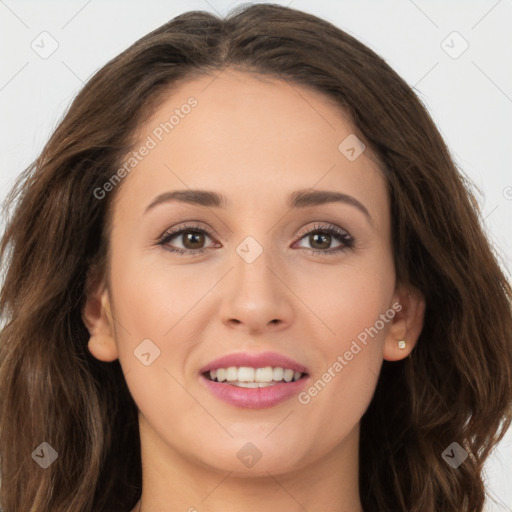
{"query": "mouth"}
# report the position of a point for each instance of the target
(254, 380)
(249, 377)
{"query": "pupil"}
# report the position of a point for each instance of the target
(326, 239)
(318, 239)
(191, 236)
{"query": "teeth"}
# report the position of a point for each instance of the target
(246, 384)
(231, 373)
(245, 374)
(263, 374)
(278, 374)
(254, 384)
(288, 375)
(248, 377)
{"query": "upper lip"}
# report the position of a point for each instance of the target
(254, 360)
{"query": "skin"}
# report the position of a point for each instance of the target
(255, 140)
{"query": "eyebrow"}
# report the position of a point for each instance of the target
(298, 199)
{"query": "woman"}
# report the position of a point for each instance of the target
(333, 333)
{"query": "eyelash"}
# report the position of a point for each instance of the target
(339, 234)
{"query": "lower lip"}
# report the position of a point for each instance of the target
(254, 398)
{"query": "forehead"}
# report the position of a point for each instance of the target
(254, 135)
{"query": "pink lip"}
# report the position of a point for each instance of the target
(260, 360)
(254, 398)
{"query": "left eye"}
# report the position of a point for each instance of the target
(323, 235)
(320, 236)
(191, 242)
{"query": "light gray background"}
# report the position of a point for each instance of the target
(469, 97)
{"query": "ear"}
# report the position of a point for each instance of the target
(409, 306)
(97, 317)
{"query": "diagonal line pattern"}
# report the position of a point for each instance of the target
(286, 491)
(209, 209)
(425, 75)
(218, 485)
(425, 14)
(279, 424)
(490, 213)
(288, 82)
(76, 14)
(499, 501)
(14, 76)
(194, 305)
(371, 371)
(301, 300)
(213, 79)
(199, 403)
(72, 71)
(485, 15)
(213, 8)
(13, 13)
(492, 81)
(330, 169)
(117, 322)
(114, 319)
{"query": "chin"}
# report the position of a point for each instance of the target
(257, 458)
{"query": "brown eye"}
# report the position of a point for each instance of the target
(321, 238)
(191, 238)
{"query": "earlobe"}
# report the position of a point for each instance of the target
(103, 347)
(406, 325)
(97, 317)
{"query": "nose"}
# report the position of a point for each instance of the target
(255, 296)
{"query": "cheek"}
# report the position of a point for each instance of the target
(152, 295)
(355, 305)
(349, 299)
(156, 300)
(153, 305)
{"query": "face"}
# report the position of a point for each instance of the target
(266, 277)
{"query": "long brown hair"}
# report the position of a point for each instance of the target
(455, 387)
